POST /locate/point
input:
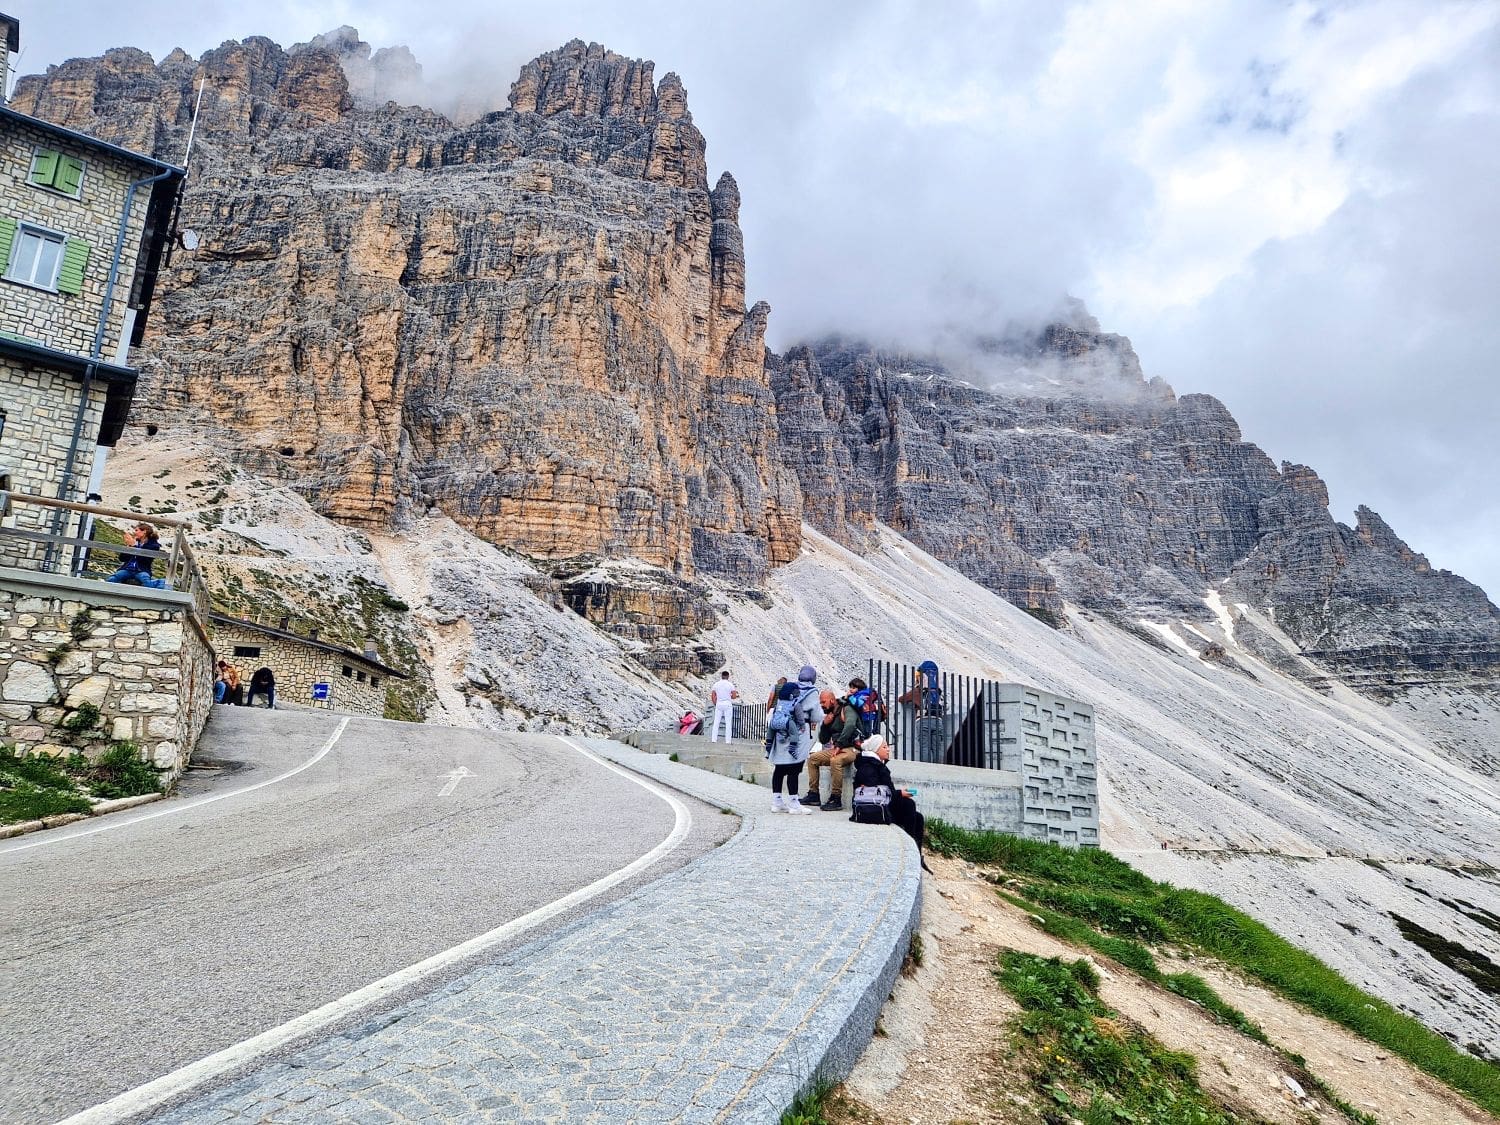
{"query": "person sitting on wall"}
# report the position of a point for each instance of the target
(839, 734)
(234, 691)
(263, 682)
(221, 685)
(872, 779)
(135, 567)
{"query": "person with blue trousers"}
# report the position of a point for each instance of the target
(135, 567)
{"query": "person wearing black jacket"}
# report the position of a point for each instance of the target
(870, 768)
(839, 733)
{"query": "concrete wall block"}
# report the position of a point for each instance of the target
(165, 637)
(148, 701)
(74, 663)
(162, 726)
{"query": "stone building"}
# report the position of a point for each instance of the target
(351, 681)
(83, 227)
(83, 663)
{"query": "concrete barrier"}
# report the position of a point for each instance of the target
(967, 798)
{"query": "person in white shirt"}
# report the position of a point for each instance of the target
(724, 694)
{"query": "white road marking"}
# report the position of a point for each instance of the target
(454, 777)
(151, 1095)
(59, 835)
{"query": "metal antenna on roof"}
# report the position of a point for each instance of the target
(193, 128)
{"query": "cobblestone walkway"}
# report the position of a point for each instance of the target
(713, 994)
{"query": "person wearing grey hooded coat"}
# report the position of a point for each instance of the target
(789, 748)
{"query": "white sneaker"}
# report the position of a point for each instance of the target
(795, 806)
(776, 805)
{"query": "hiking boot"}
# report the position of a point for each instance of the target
(812, 798)
(834, 804)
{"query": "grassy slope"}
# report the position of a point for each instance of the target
(1091, 897)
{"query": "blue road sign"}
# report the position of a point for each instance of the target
(320, 693)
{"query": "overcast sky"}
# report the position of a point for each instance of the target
(1292, 206)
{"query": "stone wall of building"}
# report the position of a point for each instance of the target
(60, 320)
(299, 665)
(1049, 741)
(136, 656)
(40, 408)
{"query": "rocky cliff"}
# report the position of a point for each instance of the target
(534, 323)
(1048, 469)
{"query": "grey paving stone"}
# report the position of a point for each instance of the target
(715, 993)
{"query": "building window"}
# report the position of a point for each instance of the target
(246, 650)
(374, 681)
(51, 169)
(348, 671)
(36, 257)
(359, 677)
(33, 255)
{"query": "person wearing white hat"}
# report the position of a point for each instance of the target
(872, 778)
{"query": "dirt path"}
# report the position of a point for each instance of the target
(942, 1051)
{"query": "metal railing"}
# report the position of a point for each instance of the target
(965, 731)
(750, 721)
(61, 545)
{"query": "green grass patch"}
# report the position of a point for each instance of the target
(809, 1106)
(120, 772)
(1089, 1065)
(26, 801)
(33, 786)
(1090, 897)
(1200, 992)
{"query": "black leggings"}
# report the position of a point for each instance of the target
(791, 773)
(904, 814)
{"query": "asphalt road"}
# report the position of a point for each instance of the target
(129, 952)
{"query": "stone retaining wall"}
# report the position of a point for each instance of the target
(135, 655)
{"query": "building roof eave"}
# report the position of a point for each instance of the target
(8, 114)
(40, 355)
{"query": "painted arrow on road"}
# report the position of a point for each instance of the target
(454, 777)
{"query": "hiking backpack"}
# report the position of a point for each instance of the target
(872, 804)
(930, 694)
(782, 719)
(867, 702)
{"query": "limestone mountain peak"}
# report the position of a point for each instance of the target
(589, 80)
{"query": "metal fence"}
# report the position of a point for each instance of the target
(750, 721)
(965, 732)
(60, 537)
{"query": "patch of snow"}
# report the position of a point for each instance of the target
(1168, 634)
(1216, 604)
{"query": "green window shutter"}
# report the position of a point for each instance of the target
(69, 174)
(7, 240)
(44, 167)
(75, 259)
